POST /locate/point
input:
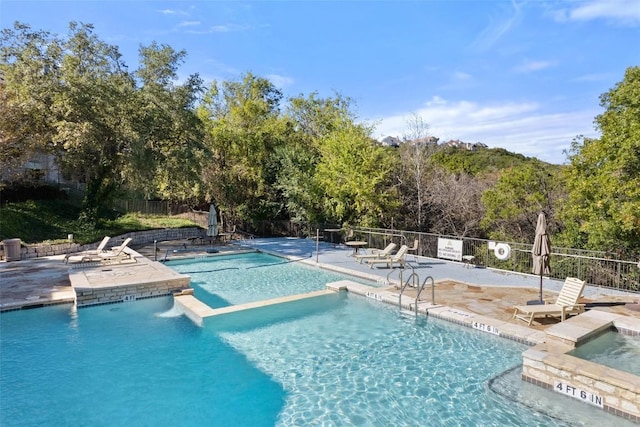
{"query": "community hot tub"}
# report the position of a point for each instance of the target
(561, 364)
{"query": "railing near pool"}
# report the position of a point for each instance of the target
(596, 268)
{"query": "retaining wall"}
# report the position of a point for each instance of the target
(139, 238)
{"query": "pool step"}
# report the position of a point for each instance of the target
(197, 311)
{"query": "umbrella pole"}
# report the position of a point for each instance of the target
(540, 288)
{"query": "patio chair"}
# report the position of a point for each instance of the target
(399, 258)
(414, 249)
(377, 253)
(101, 248)
(564, 305)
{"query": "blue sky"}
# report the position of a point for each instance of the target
(525, 76)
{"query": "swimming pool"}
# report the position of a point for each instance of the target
(224, 280)
(334, 360)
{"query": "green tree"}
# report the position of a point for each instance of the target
(603, 210)
(355, 173)
(29, 79)
(80, 90)
(167, 153)
(311, 118)
(91, 109)
(243, 130)
(521, 192)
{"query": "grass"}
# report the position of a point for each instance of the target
(37, 221)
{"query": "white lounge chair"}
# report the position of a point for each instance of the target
(399, 258)
(116, 254)
(565, 304)
(101, 248)
(377, 253)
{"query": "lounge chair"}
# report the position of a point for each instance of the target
(116, 254)
(377, 253)
(565, 304)
(101, 248)
(398, 258)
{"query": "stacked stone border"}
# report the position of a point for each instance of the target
(28, 251)
(549, 366)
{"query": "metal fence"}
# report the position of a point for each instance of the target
(150, 207)
(596, 268)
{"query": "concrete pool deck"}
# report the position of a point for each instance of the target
(48, 280)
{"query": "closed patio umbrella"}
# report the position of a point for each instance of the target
(541, 251)
(212, 222)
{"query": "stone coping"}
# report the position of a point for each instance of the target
(198, 311)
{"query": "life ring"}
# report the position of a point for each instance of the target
(502, 251)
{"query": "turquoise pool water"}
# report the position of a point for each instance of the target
(225, 280)
(614, 350)
(337, 360)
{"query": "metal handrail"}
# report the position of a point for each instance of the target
(433, 290)
(412, 275)
(393, 270)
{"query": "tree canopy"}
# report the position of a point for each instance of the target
(603, 211)
(259, 156)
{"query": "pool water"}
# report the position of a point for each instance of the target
(335, 360)
(614, 350)
(224, 280)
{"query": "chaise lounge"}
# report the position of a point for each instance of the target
(101, 248)
(565, 305)
(116, 254)
(377, 253)
(399, 258)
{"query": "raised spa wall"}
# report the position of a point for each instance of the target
(548, 365)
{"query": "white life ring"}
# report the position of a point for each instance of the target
(502, 251)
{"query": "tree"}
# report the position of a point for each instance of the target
(355, 173)
(29, 79)
(603, 209)
(454, 202)
(413, 170)
(243, 130)
(521, 192)
(79, 89)
(91, 109)
(167, 154)
(311, 118)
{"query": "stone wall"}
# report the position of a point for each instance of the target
(612, 390)
(139, 238)
(90, 296)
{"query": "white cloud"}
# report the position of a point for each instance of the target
(173, 12)
(280, 81)
(626, 12)
(497, 28)
(189, 24)
(531, 66)
(461, 76)
(227, 28)
(520, 127)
